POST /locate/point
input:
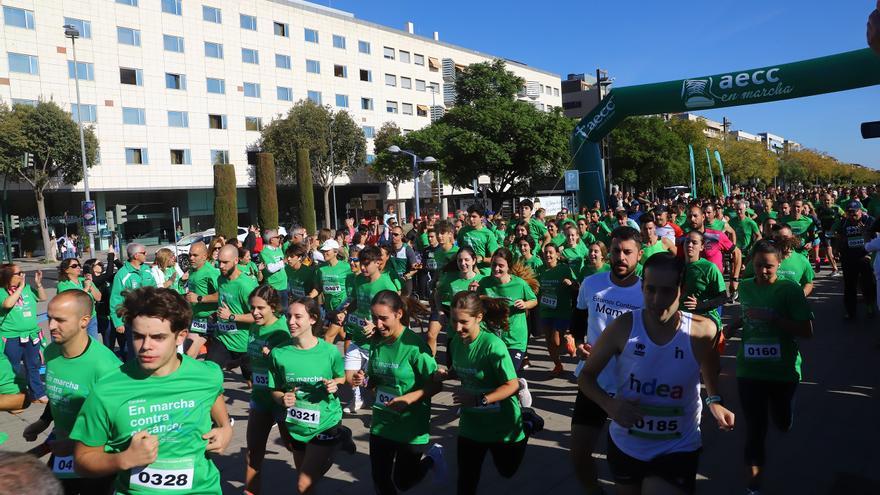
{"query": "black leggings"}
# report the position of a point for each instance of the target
(858, 273)
(218, 353)
(506, 456)
(757, 397)
(396, 466)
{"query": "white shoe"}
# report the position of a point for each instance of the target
(525, 397)
(441, 470)
(353, 406)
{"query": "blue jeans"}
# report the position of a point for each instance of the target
(284, 298)
(16, 350)
(92, 329)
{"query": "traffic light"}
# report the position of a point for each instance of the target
(121, 214)
(109, 216)
(14, 222)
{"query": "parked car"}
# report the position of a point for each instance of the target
(181, 248)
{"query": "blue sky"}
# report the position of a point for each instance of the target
(643, 42)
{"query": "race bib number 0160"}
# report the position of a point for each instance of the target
(170, 476)
(768, 352)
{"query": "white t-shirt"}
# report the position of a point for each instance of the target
(604, 301)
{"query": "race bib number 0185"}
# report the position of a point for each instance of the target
(658, 423)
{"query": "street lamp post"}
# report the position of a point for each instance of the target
(71, 32)
(430, 160)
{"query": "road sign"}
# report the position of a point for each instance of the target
(571, 181)
(90, 217)
(371, 197)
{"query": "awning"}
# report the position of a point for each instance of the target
(422, 108)
(433, 63)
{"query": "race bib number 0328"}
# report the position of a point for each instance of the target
(170, 476)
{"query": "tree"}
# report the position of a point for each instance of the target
(645, 151)
(387, 167)
(267, 191)
(486, 80)
(225, 201)
(746, 161)
(51, 136)
(306, 191)
(349, 153)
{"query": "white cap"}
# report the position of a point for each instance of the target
(328, 245)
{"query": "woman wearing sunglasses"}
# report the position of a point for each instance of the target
(18, 325)
(70, 277)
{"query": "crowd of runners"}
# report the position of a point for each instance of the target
(135, 353)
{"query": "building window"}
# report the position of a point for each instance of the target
(172, 43)
(391, 106)
(18, 17)
(136, 156)
(84, 70)
(555, 91)
(89, 112)
(25, 101)
(213, 50)
(282, 61)
(338, 41)
(422, 110)
(248, 22)
(418, 59)
(285, 94)
(311, 35)
(388, 53)
(84, 27)
(313, 66)
(420, 85)
(172, 7)
(366, 103)
(134, 77)
(133, 116)
(405, 83)
(407, 109)
(281, 29)
(212, 14)
(340, 71)
(404, 57)
(180, 157)
(253, 124)
(366, 75)
(216, 121)
(178, 119)
(250, 56)
(364, 47)
(219, 157)
(315, 97)
(252, 90)
(175, 81)
(216, 86)
(342, 101)
(369, 132)
(133, 3)
(390, 80)
(128, 36)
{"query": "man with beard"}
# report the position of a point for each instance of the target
(233, 313)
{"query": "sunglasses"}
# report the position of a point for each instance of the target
(16, 274)
(73, 265)
(396, 234)
(352, 260)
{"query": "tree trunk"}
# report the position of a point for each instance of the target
(306, 191)
(44, 228)
(327, 207)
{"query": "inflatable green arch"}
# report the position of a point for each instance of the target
(850, 70)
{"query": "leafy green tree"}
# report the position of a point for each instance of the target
(306, 191)
(51, 136)
(225, 201)
(748, 160)
(348, 154)
(387, 167)
(645, 151)
(267, 190)
(486, 80)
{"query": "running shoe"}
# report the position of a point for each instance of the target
(353, 406)
(525, 397)
(835, 273)
(346, 440)
(557, 369)
(570, 347)
(532, 423)
(734, 295)
(440, 468)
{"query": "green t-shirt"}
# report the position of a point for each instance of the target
(588, 238)
(271, 336)
(69, 381)
(362, 295)
(235, 294)
(558, 240)
(716, 224)
(250, 269)
(335, 282)
(483, 366)
(315, 410)
(828, 216)
(767, 214)
(803, 227)
(704, 281)
(398, 368)
(203, 282)
(588, 269)
(169, 272)
(746, 232)
(176, 408)
(768, 352)
(275, 274)
(648, 251)
(554, 298)
(482, 241)
(537, 230)
(453, 283)
(9, 382)
(517, 335)
(574, 256)
(442, 258)
(301, 281)
(66, 285)
(534, 263)
(21, 319)
(797, 268)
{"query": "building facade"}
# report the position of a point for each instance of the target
(172, 87)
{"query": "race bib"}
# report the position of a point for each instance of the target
(226, 327)
(199, 326)
(431, 264)
(62, 467)
(260, 379)
(356, 320)
(298, 291)
(301, 415)
(548, 301)
(855, 242)
(332, 288)
(765, 352)
(383, 396)
(658, 423)
(172, 474)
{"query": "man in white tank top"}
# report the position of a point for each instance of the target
(654, 437)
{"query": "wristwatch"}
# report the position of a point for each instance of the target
(483, 401)
(231, 318)
(198, 298)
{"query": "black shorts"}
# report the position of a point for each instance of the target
(329, 437)
(517, 358)
(679, 469)
(587, 413)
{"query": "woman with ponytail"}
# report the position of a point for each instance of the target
(458, 275)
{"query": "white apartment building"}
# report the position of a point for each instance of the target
(173, 86)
